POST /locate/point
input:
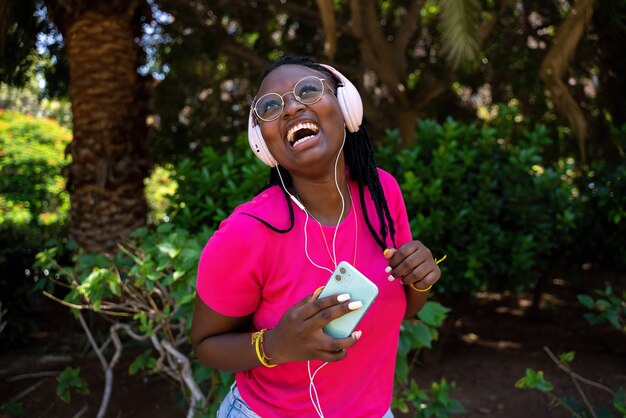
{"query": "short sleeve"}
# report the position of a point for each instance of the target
(230, 272)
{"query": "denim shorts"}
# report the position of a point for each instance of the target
(233, 406)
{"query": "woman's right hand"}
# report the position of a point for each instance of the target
(299, 336)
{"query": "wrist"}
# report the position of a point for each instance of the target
(272, 347)
(258, 342)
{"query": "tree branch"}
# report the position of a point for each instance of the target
(232, 48)
(433, 87)
(106, 366)
(184, 367)
(576, 376)
(327, 13)
(375, 50)
(405, 32)
(295, 9)
(556, 62)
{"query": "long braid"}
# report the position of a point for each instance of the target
(360, 159)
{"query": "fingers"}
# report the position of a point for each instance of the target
(326, 315)
(423, 283)
(414, 264)
(299, 333)
(389, 252)
(334, 349)
(314, 306)
(317, 292)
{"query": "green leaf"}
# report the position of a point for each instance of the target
(586, 300)
(142, 362)
(567, 357)
(456, 407)
(202, 374)
(14, 409)
(402, 369)
(421, 336)
(619, 401)
(534, 380)
(169, 249)
(433, 313)
(69, 380)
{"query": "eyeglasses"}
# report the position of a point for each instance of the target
(308, 91)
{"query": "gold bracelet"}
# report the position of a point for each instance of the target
(257, 341)
(412, 286)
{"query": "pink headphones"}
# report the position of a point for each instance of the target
(349, 102)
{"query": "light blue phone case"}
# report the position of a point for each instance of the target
(347, 279)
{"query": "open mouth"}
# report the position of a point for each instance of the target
(301, 132)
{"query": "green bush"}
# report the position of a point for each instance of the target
(33, 205)
(600, 235)
(416, 335)
(31, 158)
(609, 306)
(491, 204)
(160, 189)
(211, 185)
(147, 291)
(483, 195)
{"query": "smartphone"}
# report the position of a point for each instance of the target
(347, 279)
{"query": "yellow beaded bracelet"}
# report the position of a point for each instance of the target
(257, 341)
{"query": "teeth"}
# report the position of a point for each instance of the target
(306, 125)
(299, 141)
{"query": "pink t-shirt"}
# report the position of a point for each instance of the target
(246, 268)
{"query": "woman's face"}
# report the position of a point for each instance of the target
(303, 137)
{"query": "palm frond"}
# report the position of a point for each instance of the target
(459, 30)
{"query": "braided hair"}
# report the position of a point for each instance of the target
(359, 158)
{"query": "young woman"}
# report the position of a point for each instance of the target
(257, 312)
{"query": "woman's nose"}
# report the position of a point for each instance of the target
(292, 106)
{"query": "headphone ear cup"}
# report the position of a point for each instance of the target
(257, 143)
(349, 101)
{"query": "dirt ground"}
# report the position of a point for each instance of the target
(485, 348)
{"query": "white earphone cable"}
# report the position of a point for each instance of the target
(312, 389)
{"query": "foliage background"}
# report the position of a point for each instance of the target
(491, 173)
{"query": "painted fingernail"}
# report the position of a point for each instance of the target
(318, 291)
(355, 305)
(391, 278)
(388, 269)
(386, 251)
(343, 297)
(357, 334)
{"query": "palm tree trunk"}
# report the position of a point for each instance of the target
(406, 121)
(109, 109)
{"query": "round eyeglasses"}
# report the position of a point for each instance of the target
(308, 91)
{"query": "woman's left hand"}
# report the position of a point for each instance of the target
(414, 264)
